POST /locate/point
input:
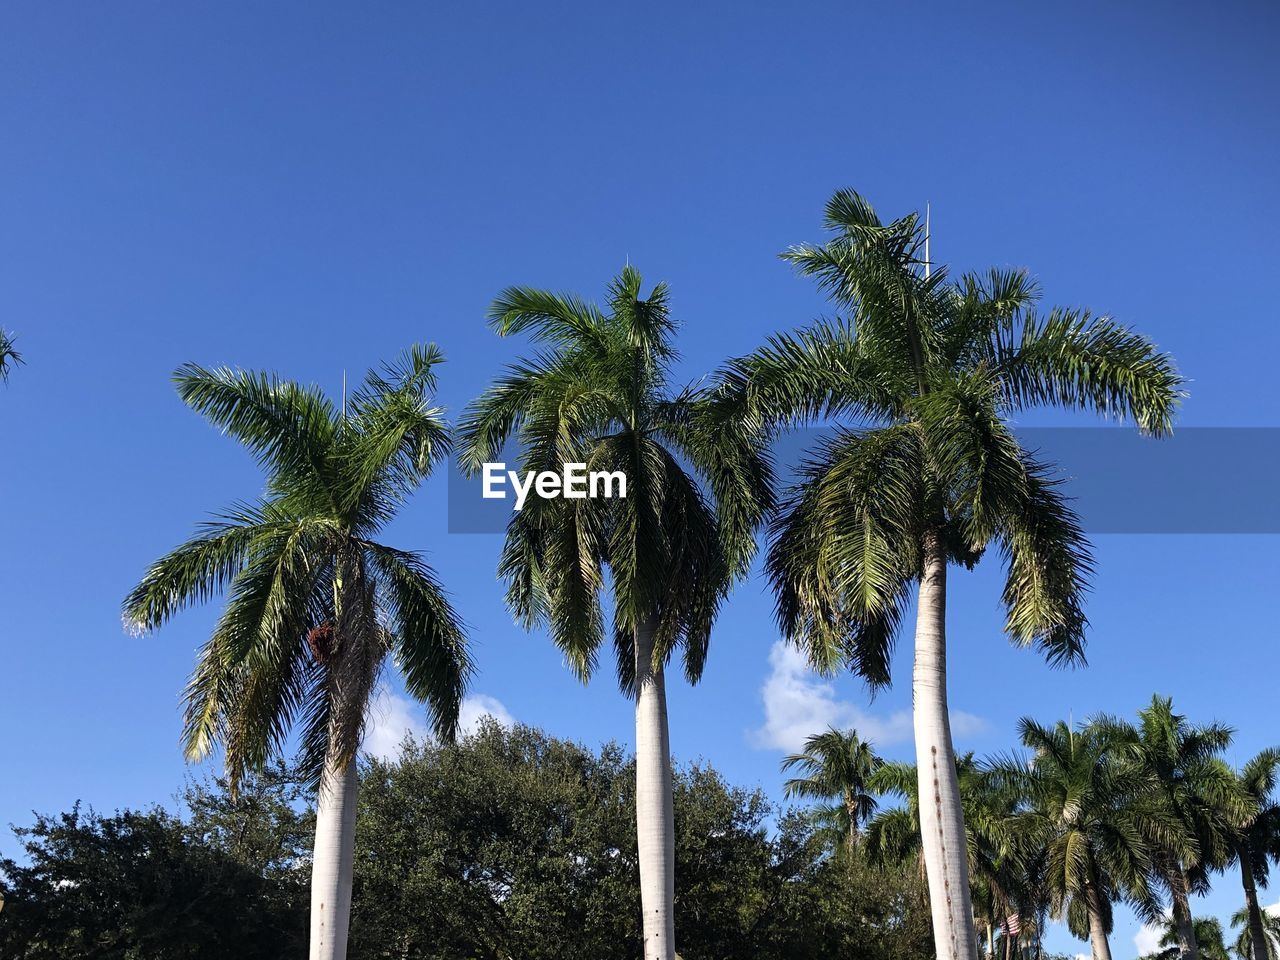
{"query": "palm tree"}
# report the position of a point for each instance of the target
(600, 396)
(9, 356)
(1081, 811)
(1256, 842)
(1194, 791)
(1208, 936)
(1269, 928)
(836, 765)
(314, 604)
(932, 369)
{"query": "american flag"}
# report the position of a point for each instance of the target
(1012, 926)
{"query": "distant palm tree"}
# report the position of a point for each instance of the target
(669, 549)
(9, 356)
(836, 765)
(1256, 843)
(314, 605)
(1269, 932)
(932, 370)
(1082, 811)
(1208, 937)
(1195, 792)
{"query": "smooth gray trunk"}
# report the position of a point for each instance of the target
(332, 862)
(1182, 920)
(1097, 931)
(1257, 932)
(941, 819)
(655, 818)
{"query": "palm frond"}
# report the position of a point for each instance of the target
(1049, 566)
(1072, 358)
(844, 549)
(426, 637)
(289, 428)
(9, 355)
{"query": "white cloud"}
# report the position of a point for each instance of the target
(1274, 909)
(799, 703)
(392, 718)
(478, 706)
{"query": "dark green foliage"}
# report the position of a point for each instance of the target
(150, 886)
(516, 844)
(509, 844)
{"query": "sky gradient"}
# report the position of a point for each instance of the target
(310, 188)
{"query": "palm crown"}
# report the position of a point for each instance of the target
(1257, 838)
(1194, 788)
(836, 765)
(601, 395)
(314, 603)
(1085, 817)
(932, 368)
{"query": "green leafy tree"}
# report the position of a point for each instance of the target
(266, 823)
(314, 604)
(600, 395)
(9, 355)
(507, 843)
(930, 369)
(512, 843)
(1255, 844)
(135, 886)
(1194, 791)
(836, 765)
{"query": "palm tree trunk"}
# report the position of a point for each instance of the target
(1182, 917)
(332, 862)
(655, 819)
(1257, 932)
(1097, 930)
(941, 819)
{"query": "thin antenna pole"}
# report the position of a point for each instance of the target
(928, 267)
(344, 394)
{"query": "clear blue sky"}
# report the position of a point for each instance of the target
(310, 188)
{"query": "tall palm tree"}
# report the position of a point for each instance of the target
(1256, 842)
(1269, 931)
(600, 395)
(314, 604)
(1194, 791)
(1083, 812)
(836, 765)
(9, 355)
(931, 369)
